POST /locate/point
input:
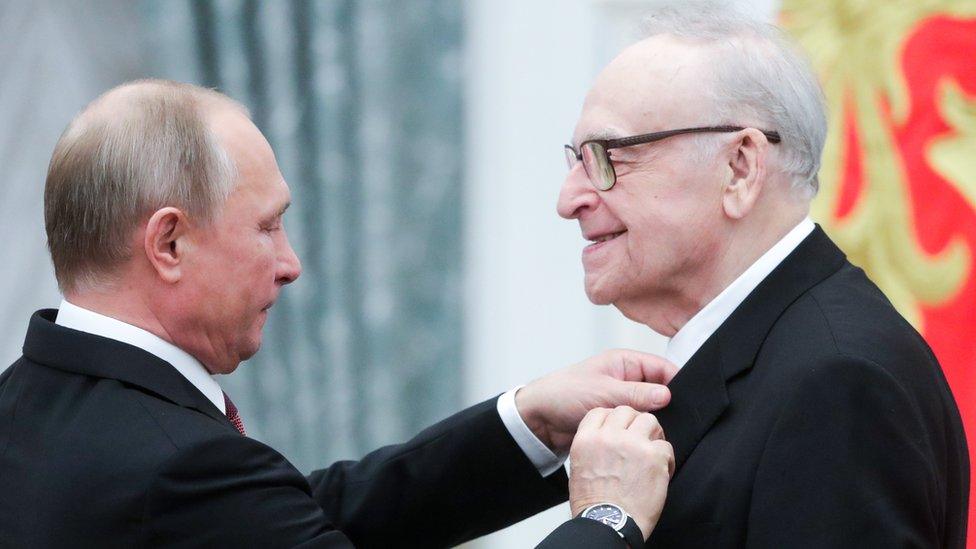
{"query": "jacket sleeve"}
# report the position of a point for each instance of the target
(459, 479)
(848, 459)
(582, 533)
(232, 491)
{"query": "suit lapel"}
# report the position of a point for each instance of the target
(80, 352)
(699, 393)
(698, 398)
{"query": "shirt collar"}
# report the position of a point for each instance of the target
(696, 331)
(84, 320)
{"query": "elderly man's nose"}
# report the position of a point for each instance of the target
(576, 195)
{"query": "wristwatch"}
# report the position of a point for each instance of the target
(618, 519)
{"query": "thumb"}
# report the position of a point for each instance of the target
(645, 397)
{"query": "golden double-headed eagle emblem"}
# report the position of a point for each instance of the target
(901, 124)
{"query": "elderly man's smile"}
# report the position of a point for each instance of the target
(601, 240)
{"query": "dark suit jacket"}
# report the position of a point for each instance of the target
(105, 445)
(815, 416)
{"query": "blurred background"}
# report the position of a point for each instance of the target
(422, 142)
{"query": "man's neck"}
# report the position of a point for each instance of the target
(77, 317)
(143, 309)
(120, 305)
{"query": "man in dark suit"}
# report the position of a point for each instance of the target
(807, 412)
(163, 209)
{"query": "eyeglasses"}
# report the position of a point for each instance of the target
(595, 156)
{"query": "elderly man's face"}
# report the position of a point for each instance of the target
(657, 228)
(243, 259)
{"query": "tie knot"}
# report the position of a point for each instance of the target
(233, 415)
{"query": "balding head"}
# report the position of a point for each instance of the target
(137, 148)
(655, 84)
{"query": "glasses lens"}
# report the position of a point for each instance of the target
(570, 157)
(598, 166)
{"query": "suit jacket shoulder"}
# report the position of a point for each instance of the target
(105, 445)
(814, 416)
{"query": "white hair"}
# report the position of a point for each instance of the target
(758, 73)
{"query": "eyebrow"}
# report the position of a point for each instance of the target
(277, 214)
(604, 134)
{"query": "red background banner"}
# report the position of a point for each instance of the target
(937, 58)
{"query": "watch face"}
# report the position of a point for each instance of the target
(611, 515)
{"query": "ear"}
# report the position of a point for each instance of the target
(748, 166)
(165, 244)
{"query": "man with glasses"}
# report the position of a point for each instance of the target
(807, 411)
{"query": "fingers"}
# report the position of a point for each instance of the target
(625, 460)
(663, 448)
(638, 366)
(647, 426)
(643, 396)
(621, 417)
(658, 370)
(594, 419)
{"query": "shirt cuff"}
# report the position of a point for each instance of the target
(545, 461)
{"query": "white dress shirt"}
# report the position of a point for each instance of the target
(693, 335)
(84, 320)
(538, 453)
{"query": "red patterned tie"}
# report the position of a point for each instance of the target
(233, 416)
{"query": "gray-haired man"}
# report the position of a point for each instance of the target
(807, 412)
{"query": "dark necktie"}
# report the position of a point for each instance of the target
(233, 416)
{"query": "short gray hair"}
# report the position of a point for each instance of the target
(137, 148)
(760, 71)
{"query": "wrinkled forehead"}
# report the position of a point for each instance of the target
(656, 84)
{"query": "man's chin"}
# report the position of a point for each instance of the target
(598, 295)
(251, 350)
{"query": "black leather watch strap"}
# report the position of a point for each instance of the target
(632, 534)
(629, 531)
